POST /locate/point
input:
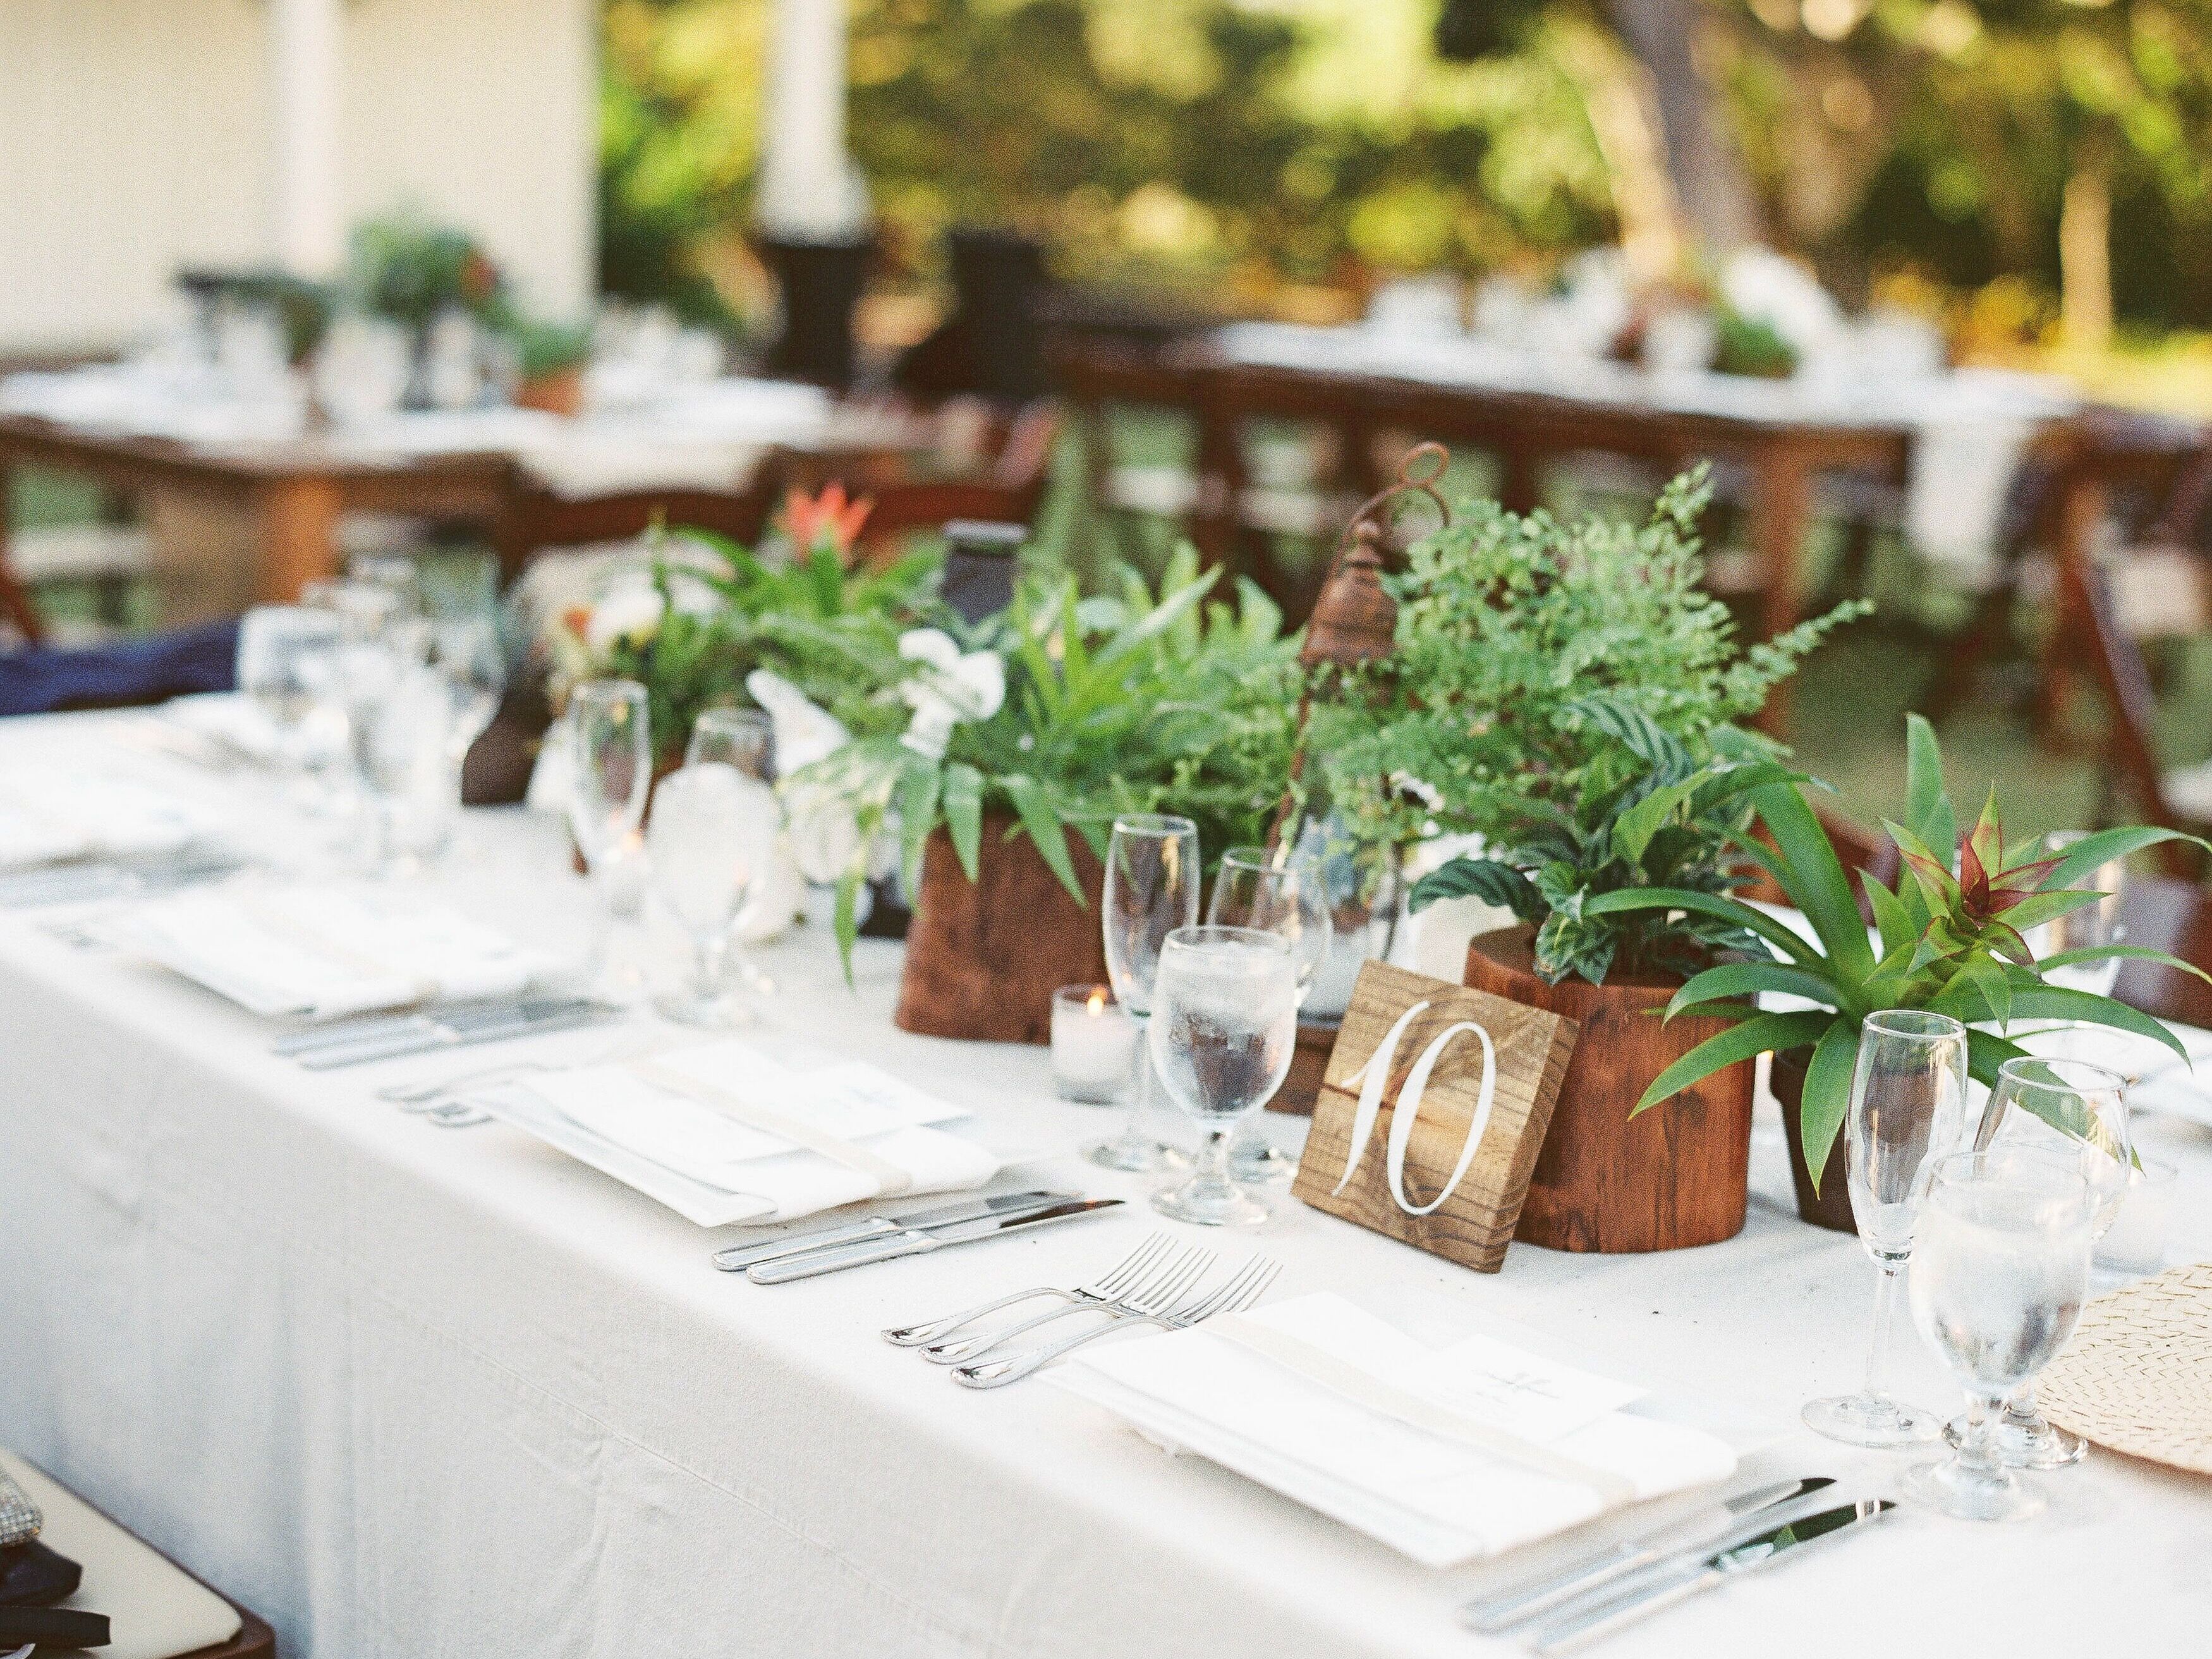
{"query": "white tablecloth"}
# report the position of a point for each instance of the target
(410, 1391)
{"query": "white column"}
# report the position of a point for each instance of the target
(306, 43)
(809, 190)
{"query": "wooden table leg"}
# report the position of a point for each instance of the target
(2081, 510)
(16, 604)
(1781, 516)
(299, 536)
(1216, 520)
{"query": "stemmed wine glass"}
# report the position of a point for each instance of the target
(744, 738)
(288, 665)
(1152, 889)
(612, 761)
(2000, 1271)
(1225, 1024)
(1278, 893)
(713, 831)
(2076, 1114)
(1907, 1110)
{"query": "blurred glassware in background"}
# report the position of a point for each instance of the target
(1364, 897)
(745, 738)
(2135, 1245)
(395, 574)
(610, 765)
(361, 370)
(287, 664)
(2090, 926)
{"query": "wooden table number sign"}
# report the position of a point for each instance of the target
(1431, 1112)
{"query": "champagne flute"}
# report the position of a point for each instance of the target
(744, 738)
(1152, 889)
(2090, 927)
(369, 661)
(287, 664)
(2077, 1113)
(2000, 1271)
(1224, 1026)
(611, 758)
(1279, 892)
(1907, 1110)
(713, 831)
(470, 663)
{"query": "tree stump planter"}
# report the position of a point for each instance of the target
(1829, 1207)
(983, 957)
(1670, 1179)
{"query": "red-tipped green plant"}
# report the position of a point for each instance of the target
(1951, 944)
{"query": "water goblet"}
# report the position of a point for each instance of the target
(1152, 889)
(1907, 1111)
(1277, 891)
(1224, 1026)
(742, 737)
(2076, 1113)
(2000, 1271)
(713, 830)
(611, 759)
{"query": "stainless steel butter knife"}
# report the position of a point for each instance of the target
(533, 1020)
(1517, 1603)
(738, 1257)
(909, 1242)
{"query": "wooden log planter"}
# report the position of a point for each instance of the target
(983, 957)
(1667, 1179)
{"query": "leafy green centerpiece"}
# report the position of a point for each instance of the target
(1949, 938)
(1127, 702)
(1568, 692)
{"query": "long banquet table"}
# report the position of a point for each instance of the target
(410, 1390)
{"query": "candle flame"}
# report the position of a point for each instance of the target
(1097, 1004)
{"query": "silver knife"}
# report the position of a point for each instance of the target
(738, 1257)
(910, 1243)
(561, 1018)
(1701, 1572)
(1517, 1603)
(339, 1032)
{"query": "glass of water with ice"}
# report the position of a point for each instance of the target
(1223, 1024)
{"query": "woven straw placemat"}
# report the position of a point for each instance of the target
(2138, 1376)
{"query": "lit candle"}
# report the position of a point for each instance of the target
(1092, 1041)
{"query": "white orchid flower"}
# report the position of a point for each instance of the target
(805, 731)
(953, 688)
(631, 612)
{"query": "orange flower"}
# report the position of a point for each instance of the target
(809, 521)
(577, 619)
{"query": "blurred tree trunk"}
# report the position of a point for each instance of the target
(1710, 178)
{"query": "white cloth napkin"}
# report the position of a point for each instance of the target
(728, 1134)
(49, 812)
(322, 953)
(1584, 1444)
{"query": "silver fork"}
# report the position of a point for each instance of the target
(1235, 1294)
(1168, 1277)
(1104, 1288)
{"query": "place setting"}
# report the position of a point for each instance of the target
(1102, 828)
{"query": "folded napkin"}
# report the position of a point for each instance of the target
(50, 812)
(748, 1138)
(322, 953)
(1446, 1455)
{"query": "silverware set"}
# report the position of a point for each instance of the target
(985, 1218)
(1156, 1283)
(391, 1037)
(83, 883)
(1565, 1608)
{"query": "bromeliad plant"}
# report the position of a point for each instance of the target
(1569, 693)
(1954, 944)
(1128, 703)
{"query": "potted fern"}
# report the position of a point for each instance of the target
(1569, 693)
(1032, 731)
(1949, 938)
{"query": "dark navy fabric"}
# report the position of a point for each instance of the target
(44, 679)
